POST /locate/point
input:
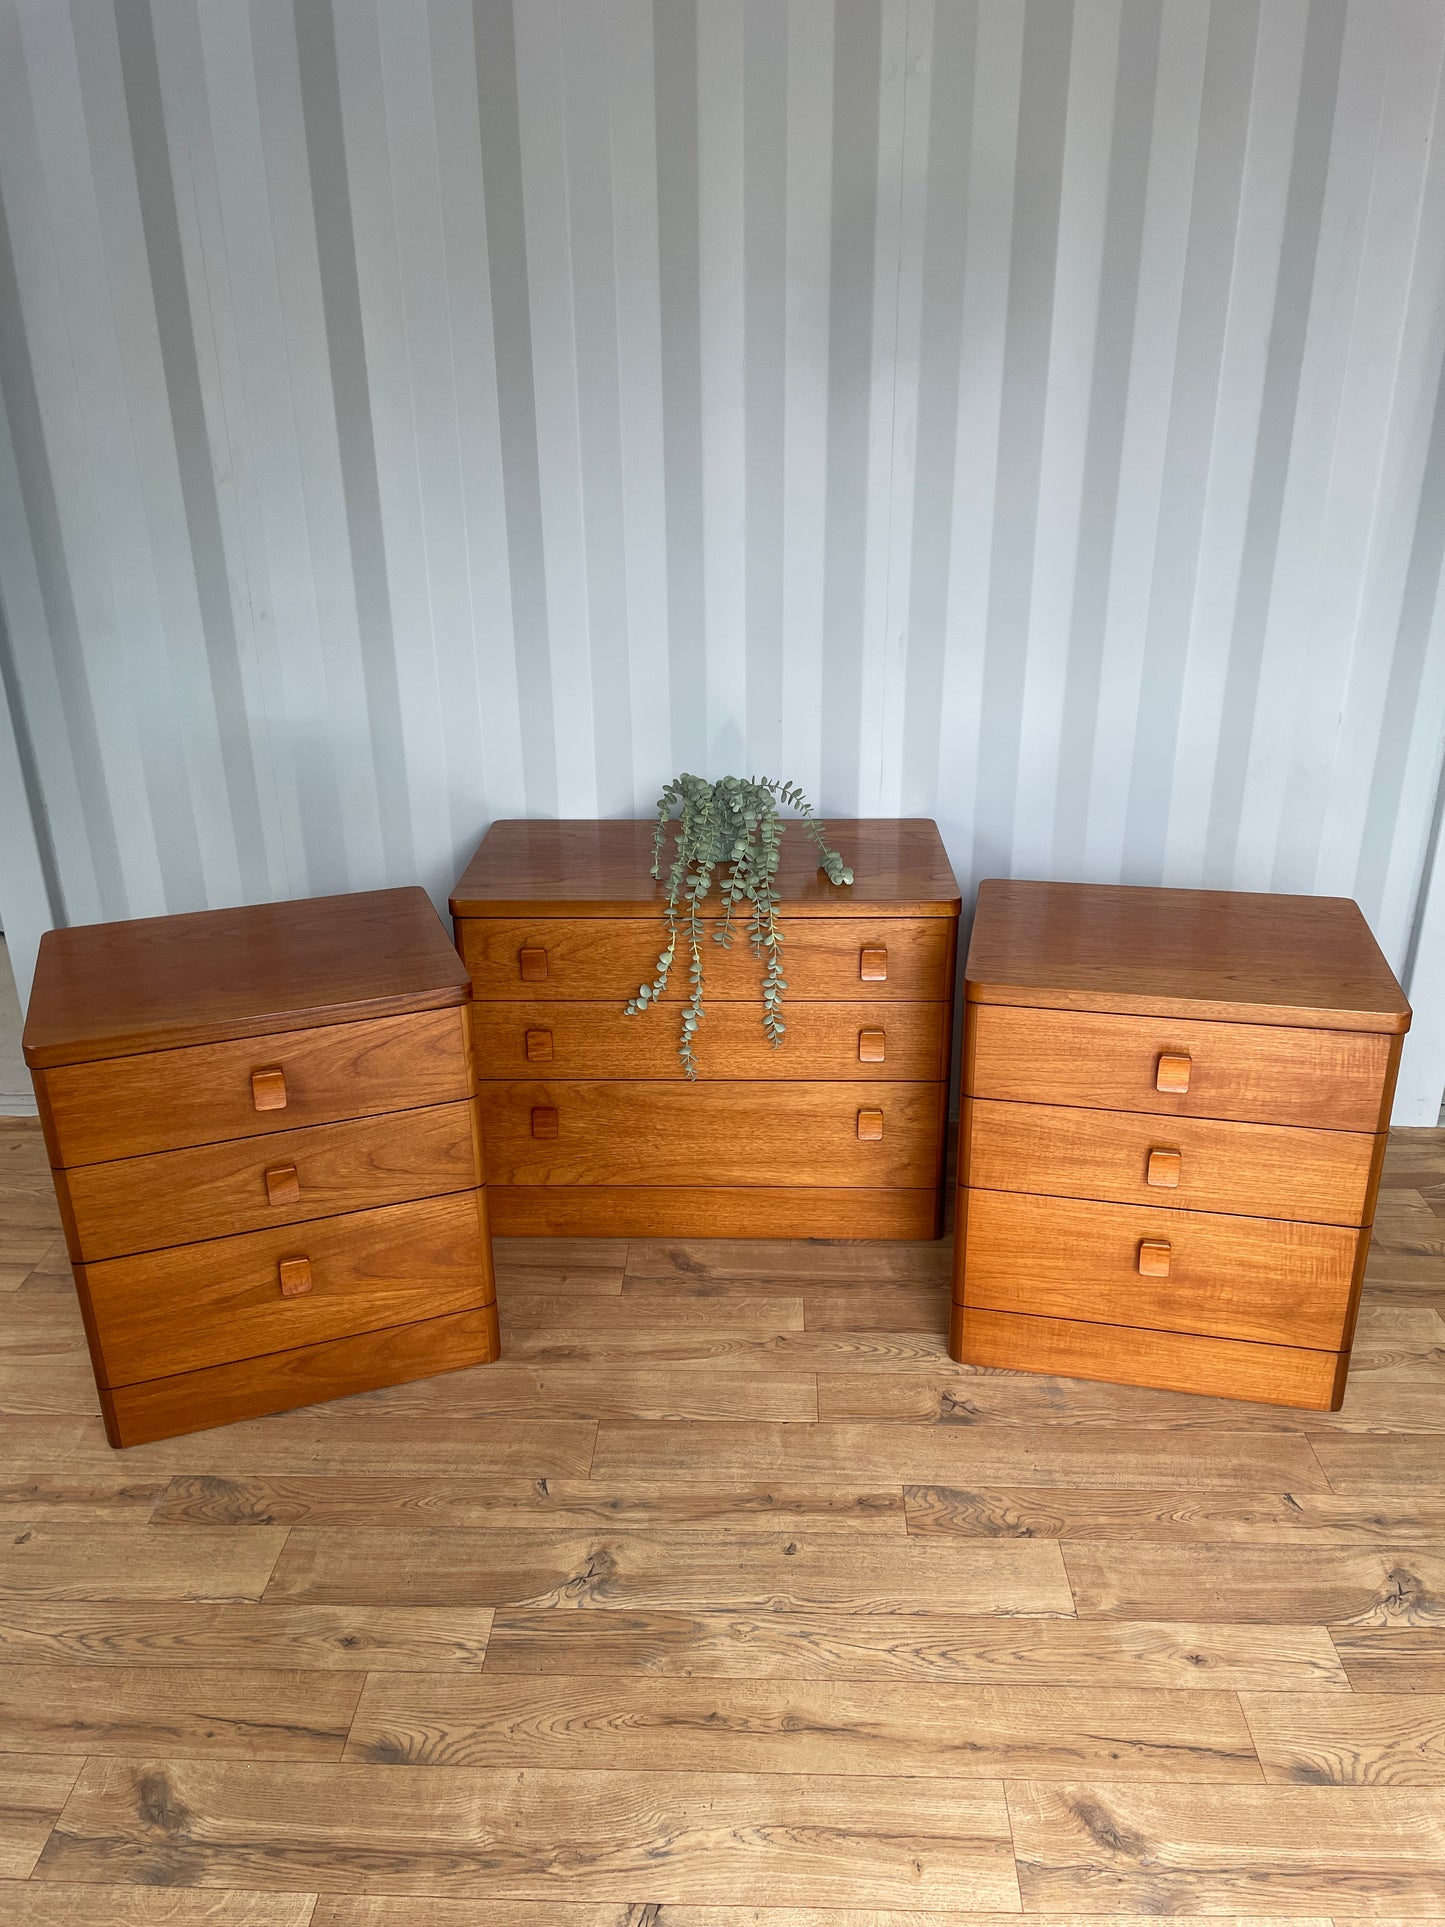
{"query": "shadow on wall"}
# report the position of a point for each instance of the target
(16, 1097)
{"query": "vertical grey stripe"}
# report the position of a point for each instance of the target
(1214, 216)
(516, 402)
(940, 352)
(1114, 343)
(195, 463)
(1038, 178)
(30, 778)
(43, 521)
(356, 443)
(1419, 613)
(675, 69)
(765, 82)
(1319, 89)
(856, 62)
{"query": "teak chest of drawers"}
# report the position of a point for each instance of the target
(591, 1128)
(263, 1131)
(1174, 1116)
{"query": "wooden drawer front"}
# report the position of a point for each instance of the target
(1258, 1170)
(1259, 1073)
(125, 1107)
(1171, 1361)
(837, 1042)
(213, 1303)
(138, 1204)
(1251, 1278)
(715, 1134)
(605, 960)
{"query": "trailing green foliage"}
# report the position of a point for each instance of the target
(732, 826)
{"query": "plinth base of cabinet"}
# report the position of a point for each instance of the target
(1167, 1361)
(661, 1211)
(162, 1408)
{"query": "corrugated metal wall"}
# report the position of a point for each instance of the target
(420, 411)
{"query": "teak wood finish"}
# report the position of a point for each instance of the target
(263, 1133)
(590, 1126)
(1174, 1116)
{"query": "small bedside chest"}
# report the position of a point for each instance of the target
(1174, 1114)
(263, 1132)
(591, 1128)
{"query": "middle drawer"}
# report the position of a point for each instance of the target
(1192, 1163)
(839, 1042)
(722, 1133)
(248, 1184)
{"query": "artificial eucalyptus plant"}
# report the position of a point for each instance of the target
(734, 826)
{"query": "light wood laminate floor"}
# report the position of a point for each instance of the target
(725, 1600)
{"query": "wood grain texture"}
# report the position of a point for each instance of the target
(1154, 1849)
(1262, 1280)
(347, 1639)
(110, 989)
(604, 959)
(1169, 1361)
(100, 1562)
(939, 1645)
(1183, 1518)
(583, 867)
(55, 1904)
(160, 1408)
(702, 1211)
(821, 1042)
(1255, 1170)
(1366, 1740)
(393, 1911)
(447, 1566)
(1360, 1586)
(33, 1789)
(165, 1100)
(829, 1727)
(218, 1190)
(742, 1454)
(370, 1269)
(1393, 1659)
(1194, 953)
(739, 1838)
(722, 1134)
(1248, 1073)
(183, 1713)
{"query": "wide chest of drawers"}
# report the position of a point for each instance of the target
(1174, 1114)
(591, 1128)
(263, 1131)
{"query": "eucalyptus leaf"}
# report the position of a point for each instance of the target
(729, 830)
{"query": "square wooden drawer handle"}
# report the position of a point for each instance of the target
(1173, 1071)
(873, 964)
(295, 1276)
(1164, 1168)
(544, 1121)
(283, 1186)
(872, 1047)
(870, 1124)
(268, 1088)
(532, 963)
(1154, 1257)
(539, 1046)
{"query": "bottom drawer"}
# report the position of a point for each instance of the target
(1168, 1361)
(160, 1408)
(697, 1211)
(228, 1298)
(556, 1132)
(1260, 1279)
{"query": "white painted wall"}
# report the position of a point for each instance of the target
(420, 411)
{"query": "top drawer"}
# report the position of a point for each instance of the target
(825, 959)
(120, 1107)
(1257, 1073)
